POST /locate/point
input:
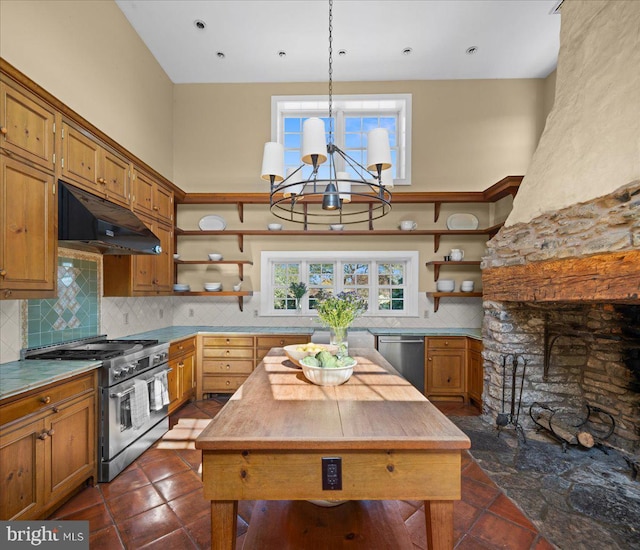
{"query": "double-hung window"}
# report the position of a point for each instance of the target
(387, 280)
(353, 117)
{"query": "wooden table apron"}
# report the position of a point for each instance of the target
(268, 442)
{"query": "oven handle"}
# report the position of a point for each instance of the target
(121, 394)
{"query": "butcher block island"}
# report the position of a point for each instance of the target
(376, 437)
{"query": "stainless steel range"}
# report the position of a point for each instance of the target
(133, 391)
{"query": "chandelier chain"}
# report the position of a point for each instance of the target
(330, 71)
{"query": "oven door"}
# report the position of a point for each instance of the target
(122, 420)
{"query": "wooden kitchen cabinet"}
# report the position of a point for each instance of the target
(27, 126)
(445, 368)
(181, 378)
(226, 362)
(142, 274)
(93, 167)
(151, 199)
(48, 446)
(28, 231)
(475, 367)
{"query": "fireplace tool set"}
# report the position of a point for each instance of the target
(505, 419)
(583, 432)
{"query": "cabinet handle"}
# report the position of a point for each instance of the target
(449, 380)
(3, 130)
(228, 382)
(227, 352)
(56, 409)
(228, 366)
(446, 342)
(282, 342)
(102, 181)
(7, 293)
(51, 431)
(3, 272)
(45, 400)
(180, 347)
(156, 208)
(43, 436)
(429, 358)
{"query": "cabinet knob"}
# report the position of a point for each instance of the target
(3, 130)
(51, 431)
(7, 293)
(228, 366)
(282, 342)
(449, 380)
(430, 359)
(156, 208)
(228, 382)
(43, 436)
(446, 342)
(3, 272)
(45, 400)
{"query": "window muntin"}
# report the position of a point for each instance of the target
(387, 280)
(353, 117)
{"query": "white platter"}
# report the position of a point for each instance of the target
(462, 221)
(212, 223)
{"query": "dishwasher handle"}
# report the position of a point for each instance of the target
(383, 341)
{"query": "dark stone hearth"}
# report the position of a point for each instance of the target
(579, 499)
(605, 504)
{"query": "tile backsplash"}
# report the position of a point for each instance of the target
(75, 312)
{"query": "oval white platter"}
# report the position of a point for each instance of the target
(462, 221)
(212, 223)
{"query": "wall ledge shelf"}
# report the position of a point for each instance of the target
(438, 264)
(240, 294)
(437, 295)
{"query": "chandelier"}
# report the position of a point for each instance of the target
(314, 200)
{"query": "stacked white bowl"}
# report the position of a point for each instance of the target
(466, 286)
(212, 286)
(445, 285)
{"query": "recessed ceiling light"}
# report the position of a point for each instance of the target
(199, 24)
(282, 53)
(221, 55)
(342, 53)
(407, 51)
(471, 50)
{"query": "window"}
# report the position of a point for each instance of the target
(387, 280)
(353, 117)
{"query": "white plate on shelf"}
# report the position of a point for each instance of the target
(212, 223)
(462, 221)
(181, 288)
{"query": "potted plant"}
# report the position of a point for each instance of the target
(298, 290)
(338, 312)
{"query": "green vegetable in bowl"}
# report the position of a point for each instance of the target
(310, 361)
(345, 361)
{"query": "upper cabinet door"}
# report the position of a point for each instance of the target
(163, 204)
(142, 199)
(28, 231)
(27, 126)
(115, 178)
(80, 159)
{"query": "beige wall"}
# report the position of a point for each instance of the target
(591, 143)
(87, 55)
(467, 134)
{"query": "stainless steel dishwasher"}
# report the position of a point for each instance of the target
(406, 354)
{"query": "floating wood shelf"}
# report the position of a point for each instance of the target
(240, 294)
(435, 233)
(437, 295)
(437, 264)
(239, 263)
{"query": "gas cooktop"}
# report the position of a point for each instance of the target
(96, 349)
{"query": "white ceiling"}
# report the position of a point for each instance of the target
(514, 39)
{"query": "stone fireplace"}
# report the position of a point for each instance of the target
(562, 291)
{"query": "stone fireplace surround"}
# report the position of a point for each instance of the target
(575, 271)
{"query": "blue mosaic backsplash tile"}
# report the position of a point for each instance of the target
(74, 313)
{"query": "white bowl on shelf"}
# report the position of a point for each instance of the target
(176, 256)
(274, 226)
(337, 227)
(179, 287)
(467, 286)
(212, 286)
(445, 285)
(237, 286)
(215, 257)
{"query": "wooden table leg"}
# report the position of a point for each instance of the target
(439, 518)
(224, 518)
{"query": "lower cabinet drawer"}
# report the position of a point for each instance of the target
(228, 341)
(280, 341)
(455, 342)
(212, 384)
(222, 366)
(236, 353)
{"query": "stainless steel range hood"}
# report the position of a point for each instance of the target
(87, 220)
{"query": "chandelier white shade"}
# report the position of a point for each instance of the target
(315, 200)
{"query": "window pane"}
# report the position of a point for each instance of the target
(369, 123)
(292, 141)
(353, 124)
(292, 124)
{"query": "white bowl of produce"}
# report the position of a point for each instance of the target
(445, 285)
(214, 257)
(295, 352)
(327, 376)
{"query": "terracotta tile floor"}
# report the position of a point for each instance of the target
(157, 503)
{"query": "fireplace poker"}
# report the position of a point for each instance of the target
(503, 418)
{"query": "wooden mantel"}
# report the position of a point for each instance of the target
(611, 277)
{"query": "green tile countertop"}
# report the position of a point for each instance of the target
(171, 334)
(21, 376)
(470, 332)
